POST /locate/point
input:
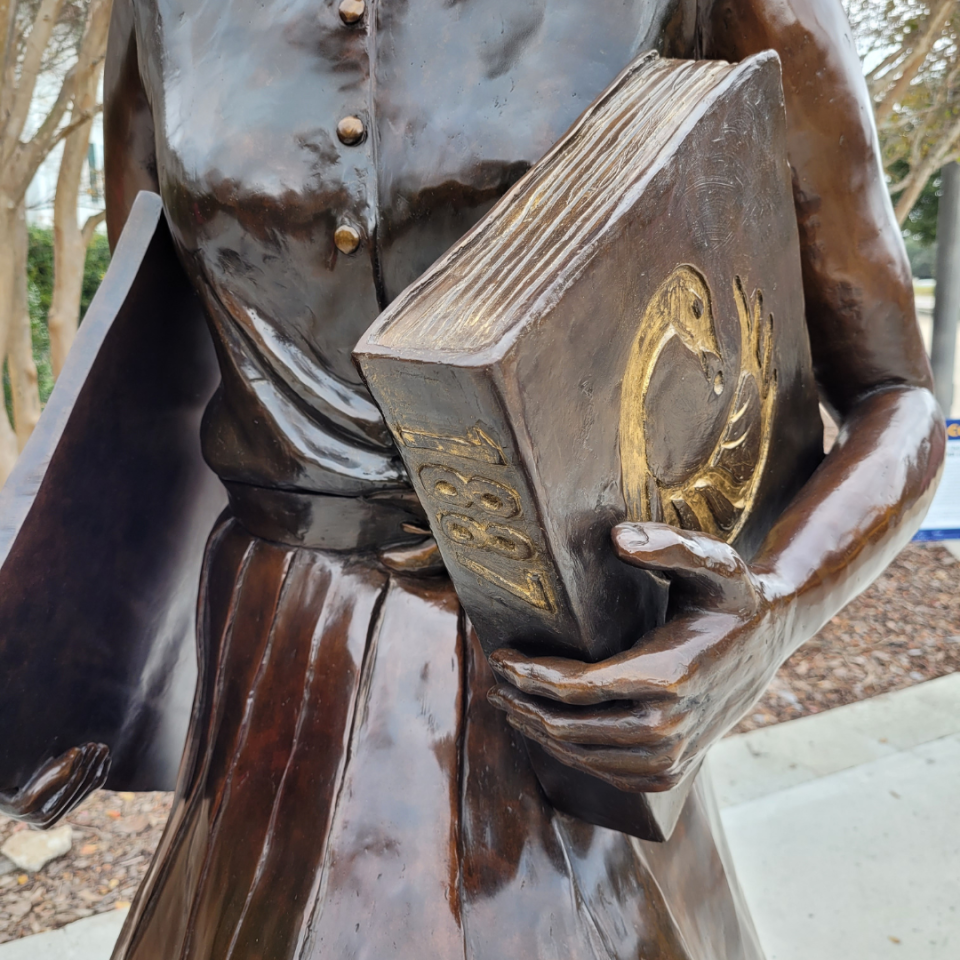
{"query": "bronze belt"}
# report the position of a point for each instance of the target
(320, 521)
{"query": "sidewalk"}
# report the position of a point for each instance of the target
(89, 939)
(844, 827)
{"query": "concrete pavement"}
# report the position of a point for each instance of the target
(845, 827)
(89, 939)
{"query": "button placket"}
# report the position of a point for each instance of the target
(353, 223)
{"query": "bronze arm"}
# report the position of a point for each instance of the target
(870, 494)
(642, 719)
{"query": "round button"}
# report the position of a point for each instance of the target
(347, 238)
(350, 130)
(351, 11)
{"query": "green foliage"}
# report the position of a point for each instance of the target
(920, 227)
(921, 223)
(923, 259)
(39, 294)
(98, 259)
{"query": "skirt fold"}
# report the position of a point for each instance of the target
(348, 793)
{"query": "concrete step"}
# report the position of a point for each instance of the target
(89, 939)
(845, 827)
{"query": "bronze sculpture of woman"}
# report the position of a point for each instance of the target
(349, 789)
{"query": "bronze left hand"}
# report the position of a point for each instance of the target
(58, 785)
(643, 718)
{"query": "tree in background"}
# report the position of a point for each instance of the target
(37, 38)
(911, 54)
(40, 284)
(70, 239)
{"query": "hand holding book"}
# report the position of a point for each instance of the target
(620, 339)
(642, 720)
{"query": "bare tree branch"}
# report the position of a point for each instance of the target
(929, 34)
(24, 159)
(37, 40)
(919, 176)
(90, 225)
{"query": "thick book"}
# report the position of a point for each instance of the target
(622, 337)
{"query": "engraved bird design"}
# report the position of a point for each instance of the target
(710, 484)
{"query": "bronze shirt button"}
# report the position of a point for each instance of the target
(351, 11)
(347, 237)
(350, 130)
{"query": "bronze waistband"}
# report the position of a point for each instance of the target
(320, 521)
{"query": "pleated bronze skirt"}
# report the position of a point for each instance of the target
(347, 792)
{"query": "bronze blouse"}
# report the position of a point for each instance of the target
(309, 182)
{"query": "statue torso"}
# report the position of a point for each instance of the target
(457, 99)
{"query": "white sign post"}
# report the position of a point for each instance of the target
(943, 520)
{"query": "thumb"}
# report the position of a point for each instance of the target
(703, 570)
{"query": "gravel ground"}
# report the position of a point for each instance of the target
(903, 630)
(114, 836)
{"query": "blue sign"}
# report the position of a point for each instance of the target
(943, 520)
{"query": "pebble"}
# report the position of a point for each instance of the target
(32, 850)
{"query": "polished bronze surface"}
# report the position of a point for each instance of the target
(102, 525)
(433, 839)
(350, 130)
(347, 238)
(513, 406)
(58, 785)
(351, 11)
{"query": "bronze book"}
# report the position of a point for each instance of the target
(621, 337)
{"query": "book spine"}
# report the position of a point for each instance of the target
(455, 440)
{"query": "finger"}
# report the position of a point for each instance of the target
(88, 772)
(52, 775)
(636, 771)
(697, 562)
(626, 726)
(421, 559)
(96, 768)
(584, 684)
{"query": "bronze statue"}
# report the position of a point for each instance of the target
(348, 788)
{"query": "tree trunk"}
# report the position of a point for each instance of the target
(20, 365)
(70, 240)
(918, 178)
(69, 250)
(8, 282)
(21, 61)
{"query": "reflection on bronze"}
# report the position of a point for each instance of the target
(58, 785)
(350, 130)
(716, 496)
(348, 788)
(351, 11)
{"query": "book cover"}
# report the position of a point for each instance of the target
(621, 338)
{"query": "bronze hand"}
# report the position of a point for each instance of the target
(642, 719)
(58, 785)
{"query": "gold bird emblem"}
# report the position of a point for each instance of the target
(695, 424)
